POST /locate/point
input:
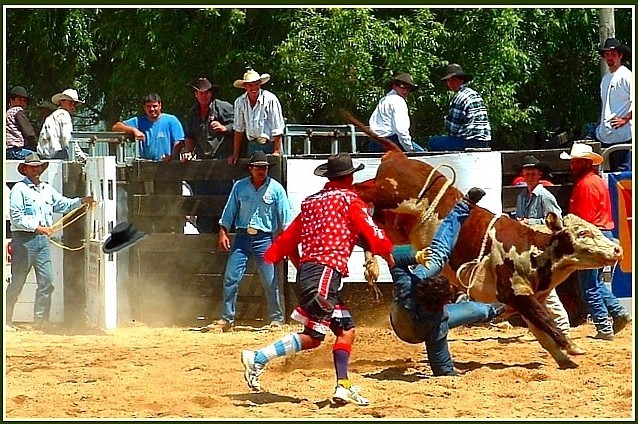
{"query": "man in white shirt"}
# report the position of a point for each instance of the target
(258, 118)
(391, 119)
(55, 136)
(616, 118)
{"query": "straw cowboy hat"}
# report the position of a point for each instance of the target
(258, 159)
(455, 70)
(251, 76)
(68, 94)
(338, 165)
(203, 84)
(582, 151)
(405, 79)
(613, 44)
(32, 159)
(123, 234)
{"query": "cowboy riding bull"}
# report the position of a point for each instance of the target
(497, 259)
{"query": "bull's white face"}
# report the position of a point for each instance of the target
(591, 248)
(576, 244)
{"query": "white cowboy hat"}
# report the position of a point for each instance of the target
(68, 94)
(582, 151)
(251, 76)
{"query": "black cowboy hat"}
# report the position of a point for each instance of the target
(32, 159)
(338, 165)
(203, 84)
(259, 159)
(533, 162)
(123, 234)
(455, 70)
(18, 91)
(613, 44)
(405, 79)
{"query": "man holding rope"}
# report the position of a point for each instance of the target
(32, 203)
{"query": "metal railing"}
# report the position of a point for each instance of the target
(311, 132)
(609, 150)
(106, 143)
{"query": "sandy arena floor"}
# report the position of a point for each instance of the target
(143, 372)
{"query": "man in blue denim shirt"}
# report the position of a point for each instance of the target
(31, 206)
(411, 320)
(259, 208)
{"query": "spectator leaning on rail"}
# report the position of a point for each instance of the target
(209, 124)
(159, 134)
(467, 123)
(32, 203)
(20, 135)
(55, 136)
(259, 121)
(590, 200)
(616, 118)
(391, 119)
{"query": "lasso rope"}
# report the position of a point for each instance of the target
(478, 260)
(432, 206)
(64, 222)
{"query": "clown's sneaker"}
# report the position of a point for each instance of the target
(252, 370)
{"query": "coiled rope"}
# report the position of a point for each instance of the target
(65, 222)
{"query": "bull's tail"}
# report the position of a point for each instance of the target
(387, 144)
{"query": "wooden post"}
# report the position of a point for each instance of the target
(606, 30)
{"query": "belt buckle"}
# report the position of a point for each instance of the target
(251, 231)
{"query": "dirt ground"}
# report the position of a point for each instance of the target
(140, 372)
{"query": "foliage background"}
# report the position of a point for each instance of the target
(537, 68)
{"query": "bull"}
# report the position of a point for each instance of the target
(496, 258)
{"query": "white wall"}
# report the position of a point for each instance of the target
(480, 169)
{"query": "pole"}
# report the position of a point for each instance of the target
(607, 30)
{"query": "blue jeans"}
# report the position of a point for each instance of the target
(446, 142)
(253, 147)
(601, 302)
(18, 153)
(375, 147)
(407, 313)
(30, 251)
(244, 246)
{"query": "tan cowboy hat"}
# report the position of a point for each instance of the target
(582, 151)
(251, 76)
(32, 159)
(455, 70)
(405, 79)
(68, 94)
(338, 165)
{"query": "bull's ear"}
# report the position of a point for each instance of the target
(553, 222)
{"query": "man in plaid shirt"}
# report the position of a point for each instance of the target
(467, 123)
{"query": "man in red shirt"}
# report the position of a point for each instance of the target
(329, 225)
(590, 200)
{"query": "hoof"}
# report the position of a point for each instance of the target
(575, 350)
(569, 364)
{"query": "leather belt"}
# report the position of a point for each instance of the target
(251, 231)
